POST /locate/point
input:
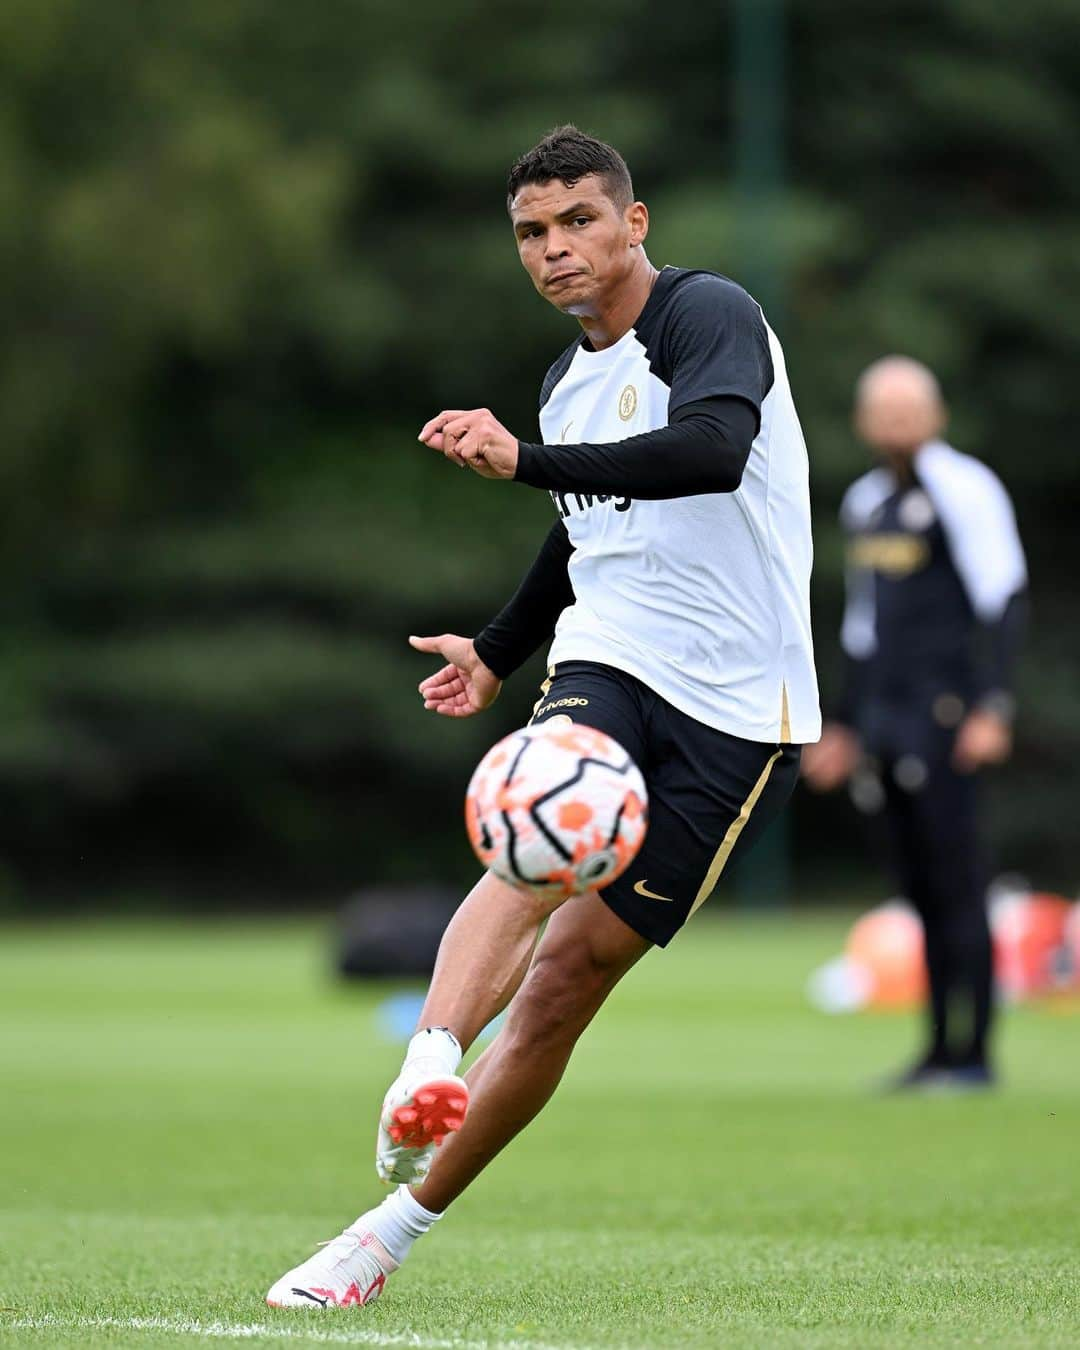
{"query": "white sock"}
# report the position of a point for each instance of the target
(434, 1047)
(397, 1222)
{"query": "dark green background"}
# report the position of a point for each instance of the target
(248, 248)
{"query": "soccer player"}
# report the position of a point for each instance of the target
(935, 612)
(676, 581)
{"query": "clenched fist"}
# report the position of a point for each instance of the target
(475, 440)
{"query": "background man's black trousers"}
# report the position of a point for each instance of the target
(928, 819)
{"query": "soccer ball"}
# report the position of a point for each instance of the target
(556, 809)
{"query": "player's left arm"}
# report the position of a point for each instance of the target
(714, 355)
(704, 448)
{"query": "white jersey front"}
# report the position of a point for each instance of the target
(706, 598)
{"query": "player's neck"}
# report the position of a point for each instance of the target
(614, 320)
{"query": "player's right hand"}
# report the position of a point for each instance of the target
(832, 761)
(462, 688)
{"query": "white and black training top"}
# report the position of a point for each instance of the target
(703, 597)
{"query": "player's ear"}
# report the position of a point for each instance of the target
(636, 216)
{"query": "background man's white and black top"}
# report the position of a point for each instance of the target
(682, 555)
(936, 584)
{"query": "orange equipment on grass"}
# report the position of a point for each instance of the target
(887, 943)
(1029, 939)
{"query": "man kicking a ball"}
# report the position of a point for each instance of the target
(676, 582)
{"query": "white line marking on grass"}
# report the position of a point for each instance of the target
(236, 1331)
(245, 1331)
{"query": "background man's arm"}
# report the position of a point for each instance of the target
(1000, 641)
(985, 735)
(831, 762)
(984, 542)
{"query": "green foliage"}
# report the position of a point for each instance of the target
(249, 248)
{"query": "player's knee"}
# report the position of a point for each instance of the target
(563, 988)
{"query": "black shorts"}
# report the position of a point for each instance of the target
(710, 794)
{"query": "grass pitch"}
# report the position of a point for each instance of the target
(186, 1110)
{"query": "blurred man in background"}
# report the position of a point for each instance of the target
(936, 584)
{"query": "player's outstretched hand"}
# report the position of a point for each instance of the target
(463, 687)
(475, 440)
(831, 761)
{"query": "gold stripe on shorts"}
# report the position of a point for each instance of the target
(723, 853)
(545, 689)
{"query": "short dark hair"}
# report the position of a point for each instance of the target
(569, 154)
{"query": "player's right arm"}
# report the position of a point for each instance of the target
(529, 618)
(477, 666)
(465, 685)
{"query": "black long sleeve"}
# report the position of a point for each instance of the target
(704, 448)
(529, 619)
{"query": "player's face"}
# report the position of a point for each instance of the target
(575, 243)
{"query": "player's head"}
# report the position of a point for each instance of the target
(578, 228)
(898, 405)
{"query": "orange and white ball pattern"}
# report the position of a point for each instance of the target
(557, 809)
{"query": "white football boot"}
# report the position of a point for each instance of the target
(347, 1272)
(423, 1105)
